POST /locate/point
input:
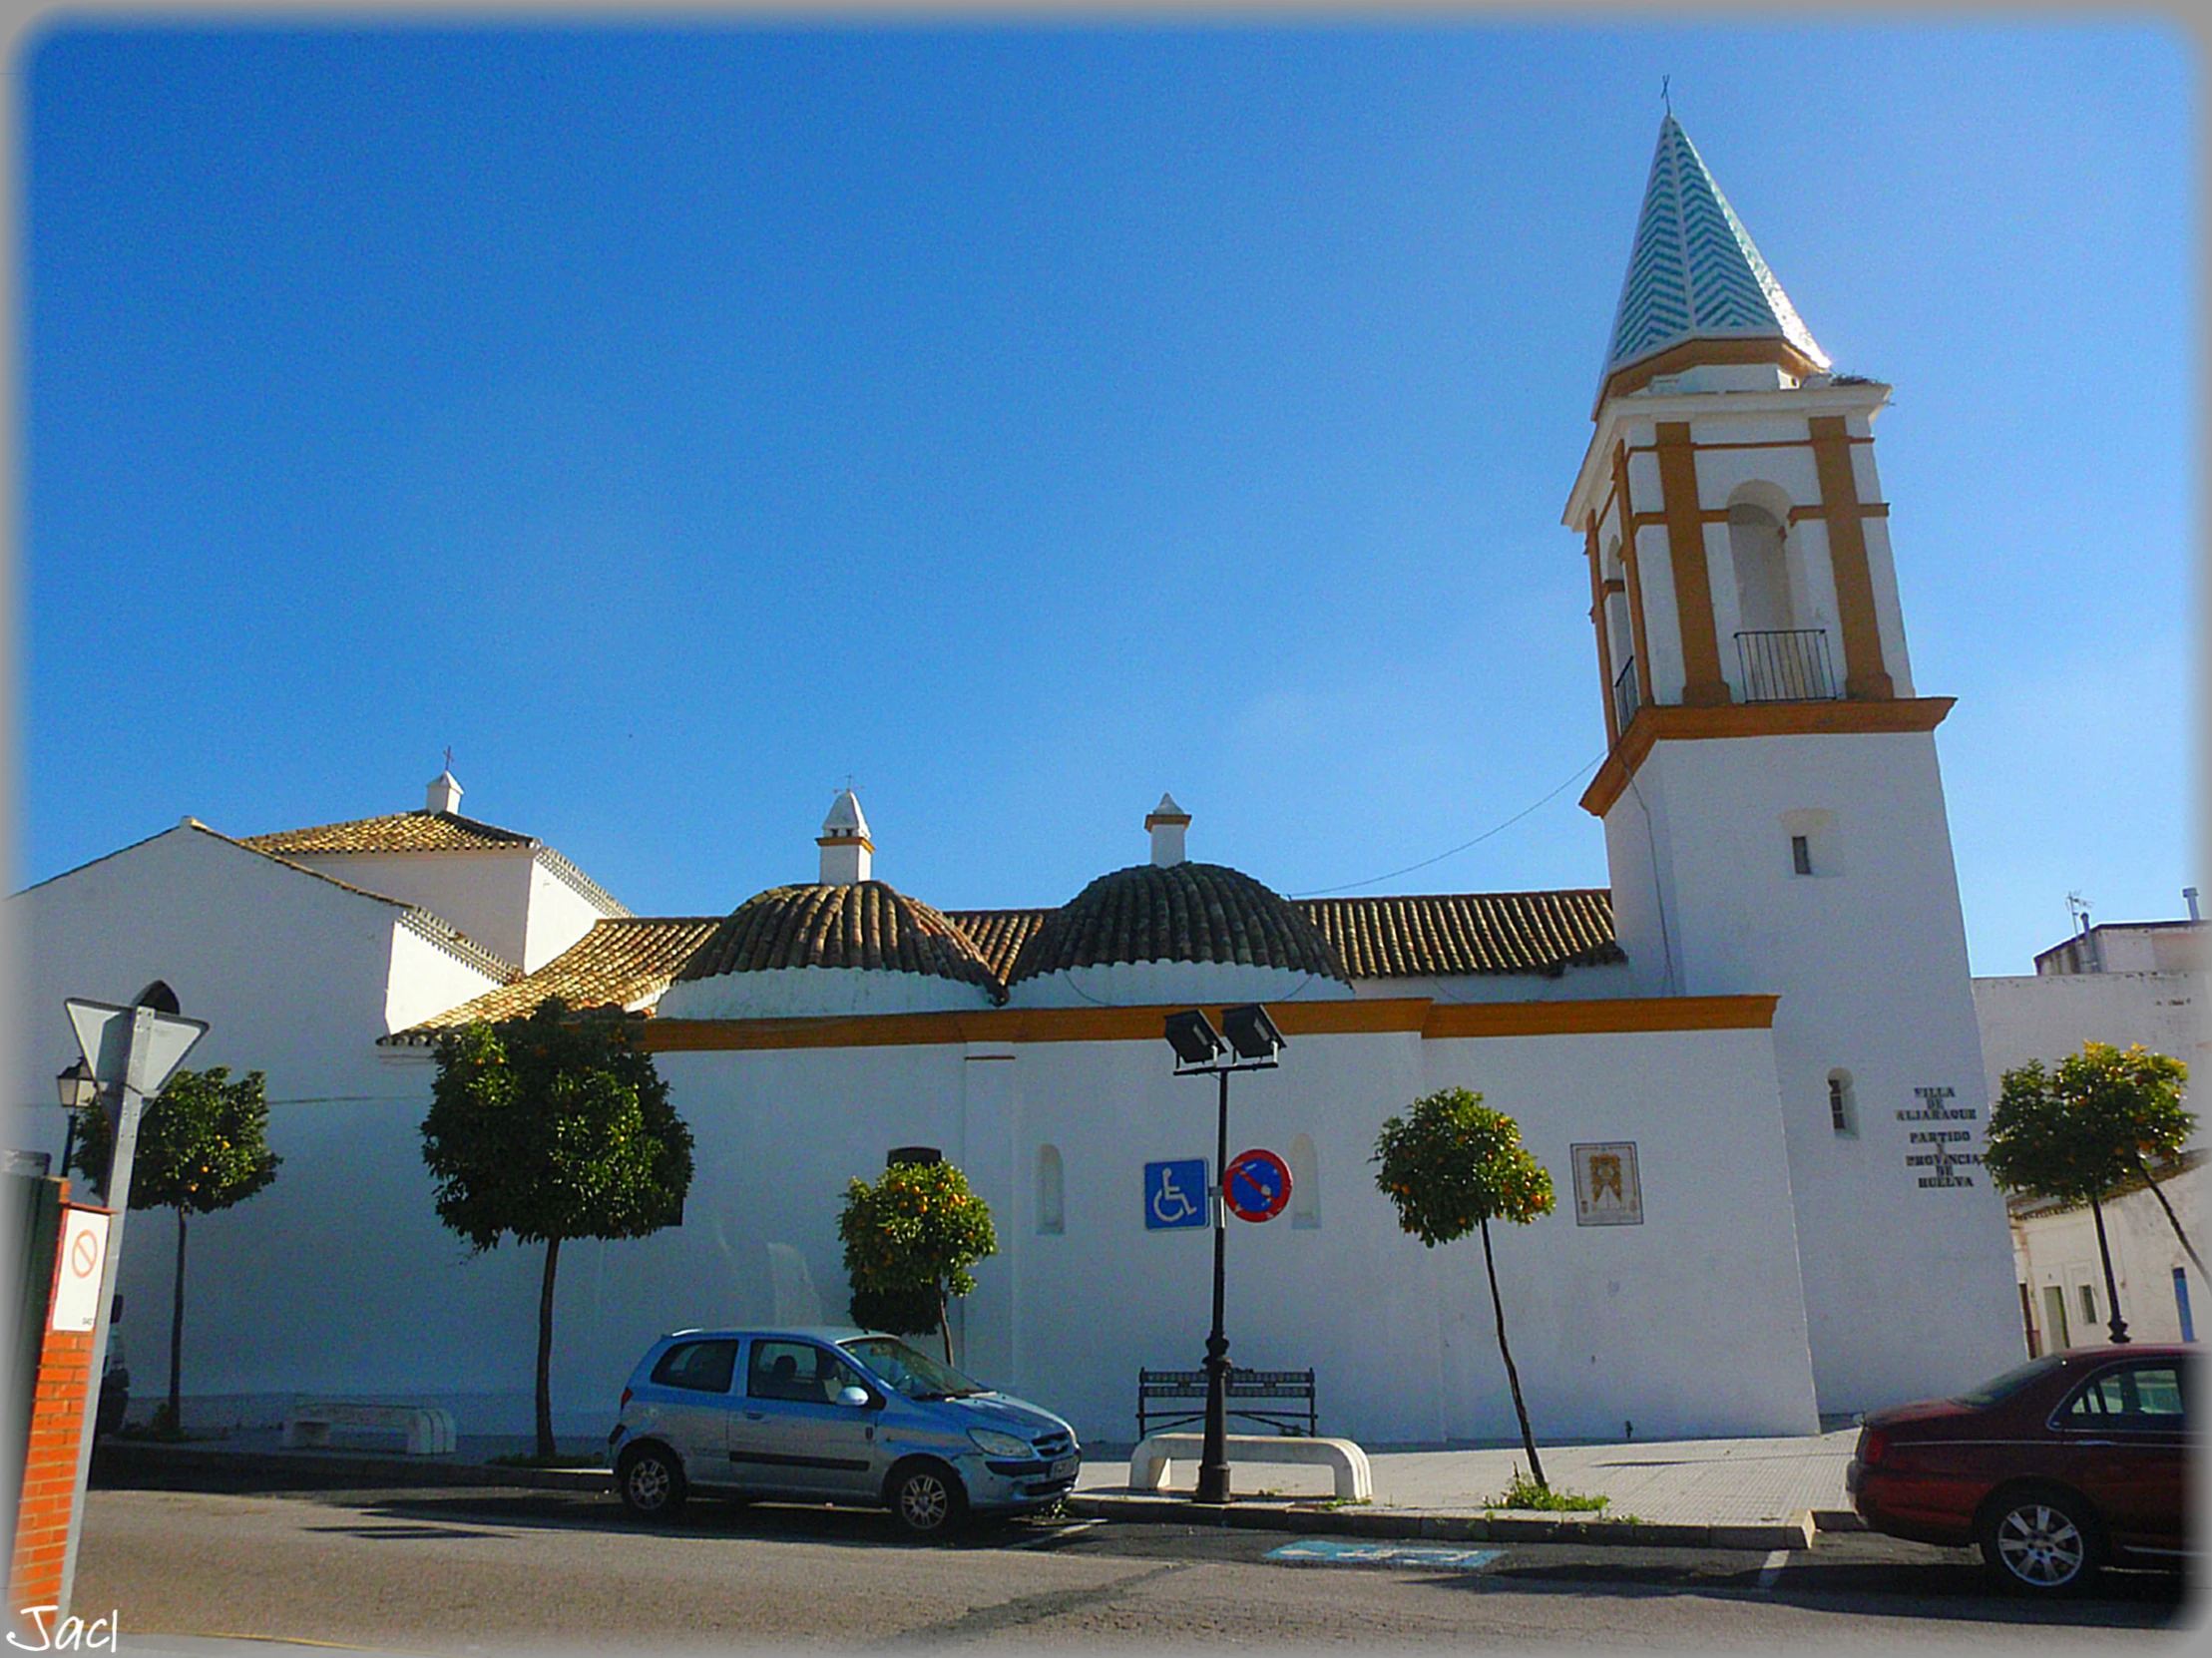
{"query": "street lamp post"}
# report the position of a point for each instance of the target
(78, 1088)
(1199, 1052)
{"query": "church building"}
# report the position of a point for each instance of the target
(1751, 1063)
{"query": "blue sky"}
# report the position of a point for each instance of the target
(1026, 420)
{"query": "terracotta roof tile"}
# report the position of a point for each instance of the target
(865, 925)
(628, 961)
(1445, 933)
(395, 832)
(619, 962)
(1181, 913)
(998, 935)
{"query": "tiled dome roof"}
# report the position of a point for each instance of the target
(865, 925)
(1181, 913)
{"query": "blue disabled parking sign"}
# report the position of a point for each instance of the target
(1175, 1194)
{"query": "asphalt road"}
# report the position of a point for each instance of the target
(468, 1571)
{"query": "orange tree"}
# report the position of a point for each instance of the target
(551, 1127)
(2081, 1130)
(201, 1149)
(909, 1241)
(1451, 1167)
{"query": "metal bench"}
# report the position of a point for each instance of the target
(1271, 1397)
(311, 1423)
(1347, 1463)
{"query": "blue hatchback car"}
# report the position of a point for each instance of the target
(831, 1416)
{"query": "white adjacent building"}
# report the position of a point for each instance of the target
(2123, 984)
(1751, 1063)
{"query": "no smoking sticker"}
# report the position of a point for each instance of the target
(77, 1285)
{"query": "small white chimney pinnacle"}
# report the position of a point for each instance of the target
(1168, 821)
(444, 794)
(846, 848)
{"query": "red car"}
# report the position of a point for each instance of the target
(2054, 1468)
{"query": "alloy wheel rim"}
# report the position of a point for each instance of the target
(922, 1500)
(648, 1483)
(2041, 1545)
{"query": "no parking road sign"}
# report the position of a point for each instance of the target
(76, 1284)
(1258, 1185)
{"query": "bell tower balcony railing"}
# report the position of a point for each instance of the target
(1626, 699)
(1786, 665)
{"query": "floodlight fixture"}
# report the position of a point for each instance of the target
(1252, 1033)
(1193, 1036)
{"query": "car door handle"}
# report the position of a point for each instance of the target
(756, 1415)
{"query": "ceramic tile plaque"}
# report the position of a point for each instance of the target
(1607, 1191)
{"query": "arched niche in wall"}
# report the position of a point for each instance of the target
(1305, 1183)
(1052, 1192)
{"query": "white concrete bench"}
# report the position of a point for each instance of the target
(429, 1431)
(1355, 1482)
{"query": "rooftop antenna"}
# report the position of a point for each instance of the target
(2077, 912)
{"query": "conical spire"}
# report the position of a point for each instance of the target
(1694, 273)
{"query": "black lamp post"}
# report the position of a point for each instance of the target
(78, 1088)
(1199, 1052)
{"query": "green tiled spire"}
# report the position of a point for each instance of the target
(1694, 273)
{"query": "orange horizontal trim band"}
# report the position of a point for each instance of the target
(1406, 1015)
(1747, 443)
(1656, 722)
(1599, 1016)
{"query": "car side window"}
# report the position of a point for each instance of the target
(703, 1367)
(2130, 1395)
(786, 1369)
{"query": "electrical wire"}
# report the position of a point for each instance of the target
(1323, 892)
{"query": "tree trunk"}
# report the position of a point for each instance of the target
(545, 1352)
(2171, 1219)
(1528, 1439)
(176, 1333)
(945, 1324)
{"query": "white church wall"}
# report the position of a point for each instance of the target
(318, 1279)
(424, 979)
(812, 991)
(1575, 984)
(1141, 984)
(485, 894)
(558, 916)
(1909, 1287)
(1400, 1335)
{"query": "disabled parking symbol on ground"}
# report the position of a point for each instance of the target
(1332, 1551)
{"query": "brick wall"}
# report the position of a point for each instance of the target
(63, 1393)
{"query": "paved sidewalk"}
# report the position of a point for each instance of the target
(1667, 1483)
(1738, 1493)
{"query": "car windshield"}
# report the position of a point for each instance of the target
(2011, 1382)
(909, 1370)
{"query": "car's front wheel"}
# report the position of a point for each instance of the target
(927, 1498)
(2039, 1541)
(650, 1480)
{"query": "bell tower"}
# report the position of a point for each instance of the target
(1774, 817)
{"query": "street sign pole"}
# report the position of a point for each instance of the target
(1213, 1452)
(132, 1049)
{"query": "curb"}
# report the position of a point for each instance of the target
(126, 1460)
(1793, 1533)
(111, 1457)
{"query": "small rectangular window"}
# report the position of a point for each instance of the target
(1801, 854)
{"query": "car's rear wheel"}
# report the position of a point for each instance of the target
(927, 1498)
(650, 1480)
(2039, 1541)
